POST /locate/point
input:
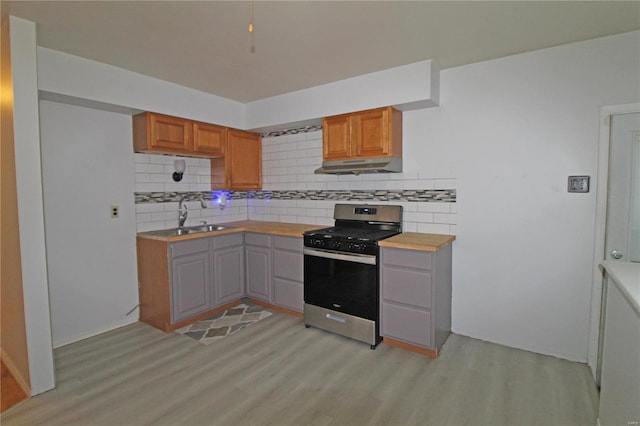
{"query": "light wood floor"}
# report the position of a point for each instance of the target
(277, 372)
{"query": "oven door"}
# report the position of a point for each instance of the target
(343, 282)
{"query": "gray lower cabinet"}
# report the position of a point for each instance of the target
(228, 267)
(416, 296)
(191, 289)
(205, 273)
(274, 266)
(288, 262)
(208, 272)
(258, 265)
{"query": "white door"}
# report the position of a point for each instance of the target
(622, 239)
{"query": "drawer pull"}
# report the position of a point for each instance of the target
(337, 318)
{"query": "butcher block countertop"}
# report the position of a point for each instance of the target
(406, 240)
(417, 241)
(274, 228)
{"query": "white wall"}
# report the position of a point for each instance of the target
(514, 129)
(87, 163)
(407, 87)
(30, 209)
(72, 76)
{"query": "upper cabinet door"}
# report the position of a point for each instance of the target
(209, 139)
(243, 160)
(162, 134)
(336, 135)
(370, 133)
(172, 134)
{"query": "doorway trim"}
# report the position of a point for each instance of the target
(601, 223)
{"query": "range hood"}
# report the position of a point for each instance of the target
(361, 165)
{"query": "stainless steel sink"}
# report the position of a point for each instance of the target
(208, 228)
(187, 230)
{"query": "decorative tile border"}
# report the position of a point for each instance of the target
(295, 131)
(174, 197)
(426, 195)
(418, 195)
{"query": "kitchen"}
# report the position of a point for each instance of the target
(510, 190)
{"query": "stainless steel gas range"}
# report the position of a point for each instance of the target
(341, 270)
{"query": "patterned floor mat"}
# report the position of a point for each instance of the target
(224, 324)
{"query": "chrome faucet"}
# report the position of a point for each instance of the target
(183, 212)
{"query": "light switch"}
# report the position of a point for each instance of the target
(578, 184)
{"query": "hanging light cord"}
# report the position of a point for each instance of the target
(253, 47)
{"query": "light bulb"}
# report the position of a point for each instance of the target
(179, 166)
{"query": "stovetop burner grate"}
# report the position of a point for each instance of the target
(358, 234)
(357, 229)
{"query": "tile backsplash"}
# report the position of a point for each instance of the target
(157, 195)
(291, 191)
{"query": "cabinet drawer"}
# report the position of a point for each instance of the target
(406, 286)
(261, 240)
(289, 294)
(183, 248)
(288, 243)
(405, 323)
(288, 265)
(407, 258)
(229, 240)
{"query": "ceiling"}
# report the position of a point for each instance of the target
(206, 45)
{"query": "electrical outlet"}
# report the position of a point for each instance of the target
(578, 184)
(115, 212)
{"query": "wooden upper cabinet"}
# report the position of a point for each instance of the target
(162, 134)
(370, 133)
(209, 139)
(241, 167)
(336, 134)
(245, 160)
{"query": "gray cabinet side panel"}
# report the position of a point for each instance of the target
(442, 304)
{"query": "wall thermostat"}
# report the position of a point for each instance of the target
(578, 184)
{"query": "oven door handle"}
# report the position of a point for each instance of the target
(349, 257)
